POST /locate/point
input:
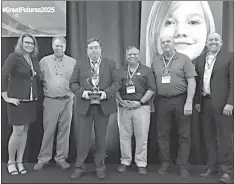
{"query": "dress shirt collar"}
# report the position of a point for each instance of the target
(62, 58)
(98, 61)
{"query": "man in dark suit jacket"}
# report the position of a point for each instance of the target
(214, 99)
(90, 109)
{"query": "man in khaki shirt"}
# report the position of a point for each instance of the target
(56, 69)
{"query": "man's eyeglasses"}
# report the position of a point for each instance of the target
(29, 43)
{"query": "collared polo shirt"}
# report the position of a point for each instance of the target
(143, 80)
(181, 68)
(56, 80)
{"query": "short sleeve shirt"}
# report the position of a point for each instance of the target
(181, 68)
(56, 81)
(143, 80)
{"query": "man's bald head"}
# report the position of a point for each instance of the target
(214, 42)
(166, 37)
(217, 35)
(167, 44)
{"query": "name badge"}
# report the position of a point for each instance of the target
(166, 79)
(130, 89)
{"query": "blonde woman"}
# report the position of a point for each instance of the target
(20, 90)
(189, 22)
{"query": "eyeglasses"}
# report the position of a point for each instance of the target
(28, 43)
(93, 47)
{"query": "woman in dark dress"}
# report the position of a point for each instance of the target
(20, 90)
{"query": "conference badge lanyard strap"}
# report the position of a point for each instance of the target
(166, 78)
(130, 87)
(58, 65)
(208, 58)
(32, 76)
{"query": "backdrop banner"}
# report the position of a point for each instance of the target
(40, 18)
(177, 18)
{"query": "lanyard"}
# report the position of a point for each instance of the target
(33, 74)
(95, 65)
(133, 73)
(58, 64)
(207, 63)
(166, 65)
(31, 66)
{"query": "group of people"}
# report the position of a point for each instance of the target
(180, 85)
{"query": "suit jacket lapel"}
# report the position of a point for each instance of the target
(217, 63)
(203, 64)
(88, 67)
(24, 62)
(101, 68)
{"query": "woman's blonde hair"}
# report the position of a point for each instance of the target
(159, 14)
(19, 45)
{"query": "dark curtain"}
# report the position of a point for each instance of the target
(117, 24)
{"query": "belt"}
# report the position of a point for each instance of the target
(147, 103)
(174, 96)
(207, 96)
(59, 97)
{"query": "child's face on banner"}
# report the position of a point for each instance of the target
(187, 25)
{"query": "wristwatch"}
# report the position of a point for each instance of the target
(142, 103)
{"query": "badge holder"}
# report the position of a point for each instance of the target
(166, 78)
(130, 88)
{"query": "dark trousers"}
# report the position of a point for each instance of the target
(217, 131)
(84, 130)
(171, 110)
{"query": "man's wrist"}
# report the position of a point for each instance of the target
(189, 101)
(142, 103)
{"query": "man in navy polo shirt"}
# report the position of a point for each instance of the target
(138, 88)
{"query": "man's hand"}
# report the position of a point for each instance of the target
(125, 103)
(85, 95)
(188, 108)
(134, 105)
(228, 110)
(198, 107)
(14, 101)
(103, 95)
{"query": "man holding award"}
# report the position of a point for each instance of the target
(94, 82)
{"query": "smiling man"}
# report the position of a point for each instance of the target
(175, 82)
(214, 99)
(56, 71)
(137, 89)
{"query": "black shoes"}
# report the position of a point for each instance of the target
(184, 173)
(163, 168)
(225, 178)
(208, 172)
(122, 168)
(77, 174)
(142, 170)
(101, 174)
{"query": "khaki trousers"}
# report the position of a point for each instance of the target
(56, 113)
(135, 121)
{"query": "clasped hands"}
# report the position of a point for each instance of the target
(129, 104)
(86, 96)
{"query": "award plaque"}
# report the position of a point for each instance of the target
(94, 81)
